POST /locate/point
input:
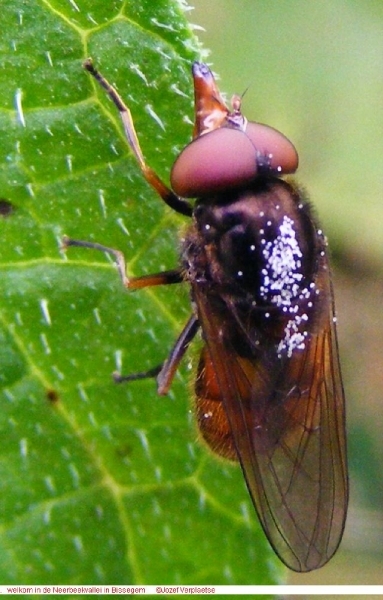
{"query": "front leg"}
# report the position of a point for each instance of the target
(168, 196)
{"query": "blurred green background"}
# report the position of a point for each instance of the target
(314, 70)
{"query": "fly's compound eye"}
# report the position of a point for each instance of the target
(273, 150)
(228, 158)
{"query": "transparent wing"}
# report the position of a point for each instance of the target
(287, 421)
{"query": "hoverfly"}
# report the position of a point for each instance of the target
(268, 386)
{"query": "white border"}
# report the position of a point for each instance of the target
(190, 590)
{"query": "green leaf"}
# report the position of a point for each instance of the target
(101, 483)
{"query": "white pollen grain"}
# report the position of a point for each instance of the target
(282, 273)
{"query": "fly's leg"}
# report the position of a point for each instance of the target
(168, 196)
(134, 283)
(165, 372)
